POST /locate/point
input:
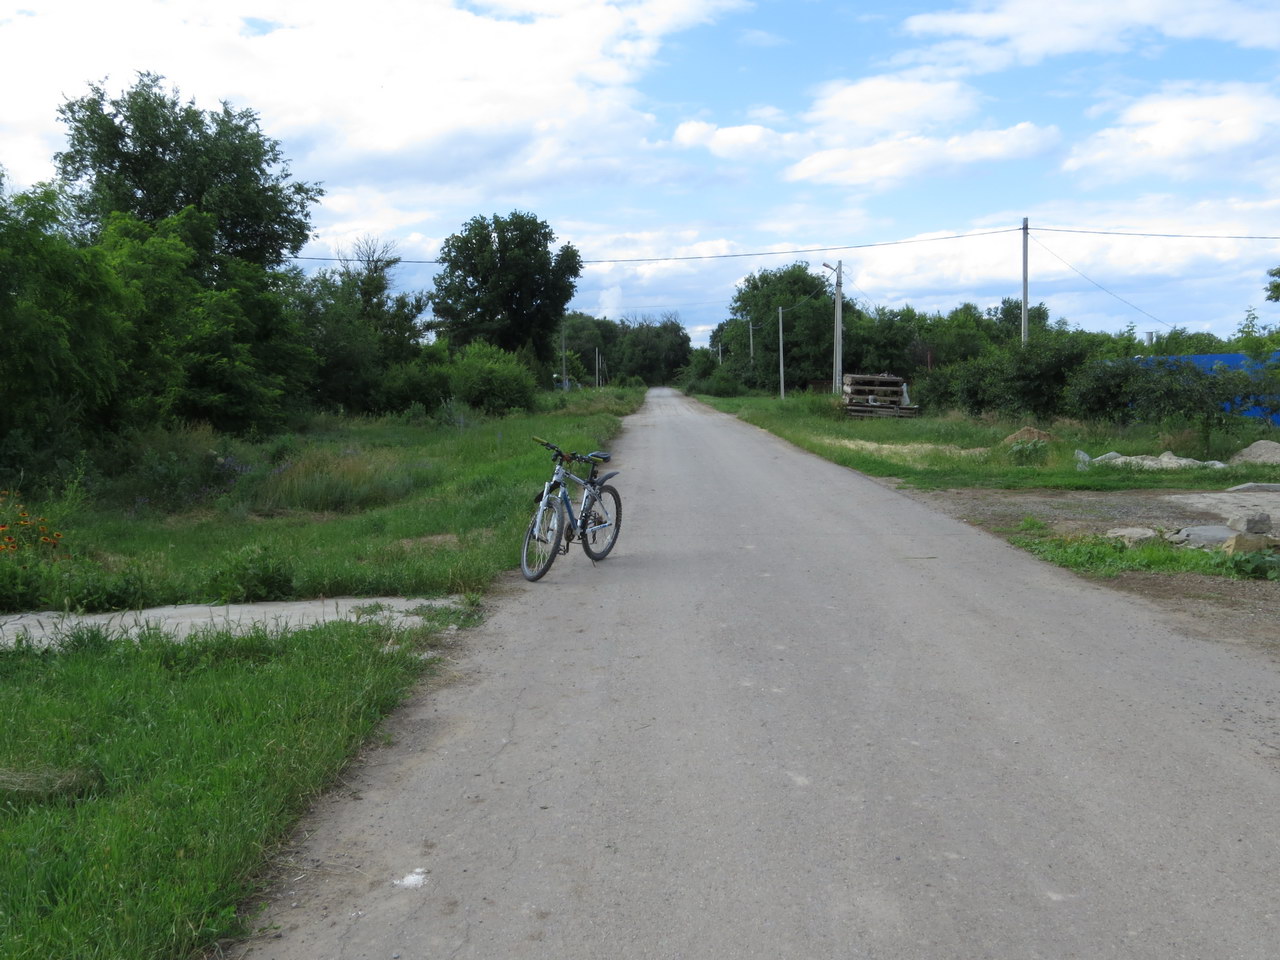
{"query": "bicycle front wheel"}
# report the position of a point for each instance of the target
(603, 522)
(542, 539)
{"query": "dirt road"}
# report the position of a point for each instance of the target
(798, 715)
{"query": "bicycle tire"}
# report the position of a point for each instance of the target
(542, 539)
(603, 507)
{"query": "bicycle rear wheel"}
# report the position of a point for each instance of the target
(603, 522)
(542, 539)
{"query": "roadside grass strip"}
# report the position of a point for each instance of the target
(1109, 557)
(142, 779)
(353, 508)
(933, 453)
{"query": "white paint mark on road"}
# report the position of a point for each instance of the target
(413, 881)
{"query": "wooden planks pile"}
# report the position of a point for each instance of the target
(880, 395)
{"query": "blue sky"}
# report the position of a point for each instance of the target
(707, 128)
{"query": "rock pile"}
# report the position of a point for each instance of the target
(1246, 533)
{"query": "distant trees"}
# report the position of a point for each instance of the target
(501, 282)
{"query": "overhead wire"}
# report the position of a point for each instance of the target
(889, 243)
(737, 256)
(871, 245)
(1112, 293)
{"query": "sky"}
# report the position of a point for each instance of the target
(681, 145)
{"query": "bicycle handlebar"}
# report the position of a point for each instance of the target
(561, 455)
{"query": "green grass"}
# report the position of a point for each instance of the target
(354, 507)
(954, 452)
(141, 780)
(1108, 557)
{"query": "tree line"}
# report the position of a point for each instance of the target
(973, 359)
(151, 284)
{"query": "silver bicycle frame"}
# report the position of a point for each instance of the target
(559, 476)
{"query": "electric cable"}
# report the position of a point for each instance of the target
(1101, 287)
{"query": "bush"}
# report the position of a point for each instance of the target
(405, 384)
(1028, 453)
(491, 380)
(252, 574)
(719, 384)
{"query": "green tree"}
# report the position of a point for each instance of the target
(501, 282)
(1179, 341)
(360, 331)
(962, 334)
(149, 154)
(1008, 319)
(654, 351)
(231, 357)
(1273, 288)
(61, 317)
(807, 323)
(586, 336)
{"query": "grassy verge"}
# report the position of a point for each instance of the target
(951, 452)
(142, 779)
(353, 507)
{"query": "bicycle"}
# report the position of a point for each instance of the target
(554, 524)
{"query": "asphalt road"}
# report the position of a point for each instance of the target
(797, 715)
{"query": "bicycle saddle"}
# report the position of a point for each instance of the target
(600, 456)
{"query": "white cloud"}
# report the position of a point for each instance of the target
(1183, 132)
(733, 143)
(989, 36)
(847, 112)
(901, 157)
(553, 82)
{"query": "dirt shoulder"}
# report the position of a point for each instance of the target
(1238, 611)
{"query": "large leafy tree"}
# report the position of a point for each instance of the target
(61, 312)
(502, 282)
(807, 324)
(150, 154)
(655, 351)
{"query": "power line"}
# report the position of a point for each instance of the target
(1174, 236)
(735, 256)
(1102, 288)
(881, 243)
(784, 253)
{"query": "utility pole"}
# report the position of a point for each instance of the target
(1025, 233)
(564, 361)
(837, 359)
(782, 387)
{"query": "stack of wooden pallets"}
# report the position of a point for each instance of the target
(877, 396)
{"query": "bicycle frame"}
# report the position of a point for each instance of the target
(557, 481)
